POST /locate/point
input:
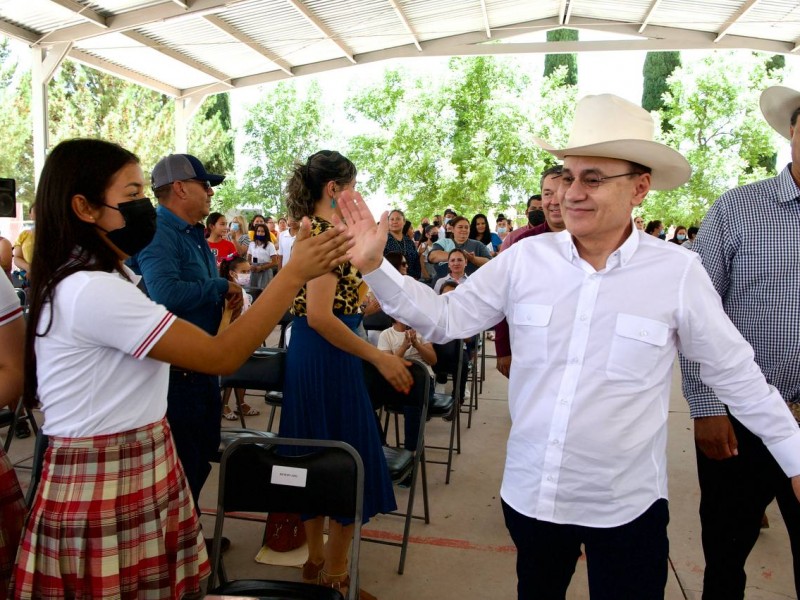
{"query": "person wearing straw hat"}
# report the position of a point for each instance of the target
(750, 246)
(593, 355)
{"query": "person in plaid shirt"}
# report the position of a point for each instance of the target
(113, 516)
(750, 246)
(12, 504)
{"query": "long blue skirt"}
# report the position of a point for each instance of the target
(325, 398)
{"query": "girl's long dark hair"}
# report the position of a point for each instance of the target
(486, 236)
(63, 244)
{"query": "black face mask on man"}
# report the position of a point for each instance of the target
(536, 217)
(139, 229)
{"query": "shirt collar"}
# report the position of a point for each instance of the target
(131, 275)
(172, 219)
(618, 258)
(787, 187)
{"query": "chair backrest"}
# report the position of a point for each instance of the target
(382, 393)
(377, 321)
(264, 370)
(260, 477)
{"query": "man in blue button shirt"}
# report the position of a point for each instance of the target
(180, 273)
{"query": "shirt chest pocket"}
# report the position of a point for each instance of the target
(636, 346)
(530, 323)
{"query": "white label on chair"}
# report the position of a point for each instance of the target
(288, 476)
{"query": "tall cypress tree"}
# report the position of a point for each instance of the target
(657, 68)
(553, 61)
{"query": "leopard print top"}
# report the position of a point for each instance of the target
(346, 300)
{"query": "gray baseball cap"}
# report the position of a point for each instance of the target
(180, 167)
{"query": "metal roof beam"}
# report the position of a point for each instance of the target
(118, 71)
(486, 19)
(242, 37)
(404, 19)
(739, 14)
(137, 18)
(322, 28)
(650, 12)
(82, 11)
(17, 32)
(179, 56)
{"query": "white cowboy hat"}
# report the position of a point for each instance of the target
(777, 105)
(608, 126)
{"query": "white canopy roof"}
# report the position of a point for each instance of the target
(196, 47)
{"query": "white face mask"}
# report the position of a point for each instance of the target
(243, 279)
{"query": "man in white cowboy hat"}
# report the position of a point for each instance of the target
(750, 245)
(593, 354)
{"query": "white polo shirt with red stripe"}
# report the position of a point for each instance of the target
(92, 366)
(10, 307)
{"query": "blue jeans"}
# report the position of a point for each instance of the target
(194, 405)
(628, 562)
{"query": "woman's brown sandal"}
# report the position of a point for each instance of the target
(341, 583)
(312, 572)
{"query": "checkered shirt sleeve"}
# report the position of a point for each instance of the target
(749, 243)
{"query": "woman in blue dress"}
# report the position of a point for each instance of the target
(324, 393)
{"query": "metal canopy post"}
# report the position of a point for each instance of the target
(44, 62)
(185, 109)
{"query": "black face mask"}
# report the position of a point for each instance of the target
(139, 229)
(536, 217)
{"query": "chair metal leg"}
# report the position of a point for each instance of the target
(239, 394)
(271, 417)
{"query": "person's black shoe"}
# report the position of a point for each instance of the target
(406, 481)
(225, 545)
(22, 430)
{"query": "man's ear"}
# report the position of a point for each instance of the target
(83, 210)
(641, 190)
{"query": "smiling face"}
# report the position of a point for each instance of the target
(220, 228)
(602, 215)
(480, 225)
(396, 222)
(552, 195)
(460, 231)
(456, 265)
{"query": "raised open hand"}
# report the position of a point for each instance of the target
(370, 239)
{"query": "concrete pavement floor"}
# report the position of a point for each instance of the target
(465, 551)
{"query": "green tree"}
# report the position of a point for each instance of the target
(284, 127)
(16, 159)
(712, 105)
(211, 134)
(463, 141)
(86, 102)
(657, 68)
(554, 61)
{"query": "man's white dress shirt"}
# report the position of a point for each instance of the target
(593, 357)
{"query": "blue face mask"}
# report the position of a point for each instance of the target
(680, 237)
(234, 227)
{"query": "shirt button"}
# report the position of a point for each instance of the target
(550, 478)
(642, 333)
(573, 360)
(554, 442)
(584, 316)
(563, 401)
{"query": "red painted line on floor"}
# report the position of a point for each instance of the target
(391, 536)
(435, 541)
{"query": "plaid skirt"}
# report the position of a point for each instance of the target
(12, 516)
(112, 518)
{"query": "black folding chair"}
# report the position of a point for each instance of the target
(254, 477)
(11, 419)
(402, 462)
(449, 362)
(262, 371)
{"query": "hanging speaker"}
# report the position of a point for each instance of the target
(8, 198)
